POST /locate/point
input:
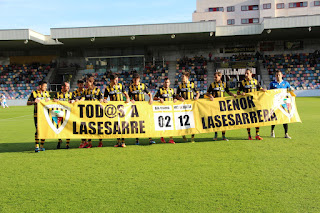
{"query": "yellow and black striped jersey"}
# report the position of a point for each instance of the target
(187, 90)
(40, 95)
(63, 96)
(217, 89)
(136, 92)
(91, 95)
(249, 86)
(77, 94)
(166, 93)
(115, 92)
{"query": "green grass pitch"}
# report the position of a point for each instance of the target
(273, 175)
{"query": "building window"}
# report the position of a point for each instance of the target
(316, 3)
(230, 9)
(298, 4)
(254, 20)
(280, 6)
(250, 21)
(267, 6)
(230, 21)
(215, 9)
(249, 7)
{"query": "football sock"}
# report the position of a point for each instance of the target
(257, 130)
(36, 140)
(223, 134)
(285, 126)
(272, 127)
(249, 133)
(42, 143)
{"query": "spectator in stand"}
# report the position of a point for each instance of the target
(210, 56)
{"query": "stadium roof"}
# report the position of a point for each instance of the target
(159, 33)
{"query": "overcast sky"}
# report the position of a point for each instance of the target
(43, 15)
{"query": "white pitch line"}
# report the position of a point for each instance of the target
(14, 117)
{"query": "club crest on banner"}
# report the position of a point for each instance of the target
(284, 102)
(57, 116)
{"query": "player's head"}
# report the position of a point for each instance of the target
(278, 75)
(248, 74)
(90, 83)
(90, 77)
(65, 86)
(217, 76)
(80, 84)
(185, 76)
(136, 78)
(43, 86)
(114, 78)
(166, 83)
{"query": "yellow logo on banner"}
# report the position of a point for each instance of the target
(57, 116)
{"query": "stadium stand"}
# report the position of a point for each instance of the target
(198, 68)
(301, 70)
(154, 76)
(18, 81)
(102, 77)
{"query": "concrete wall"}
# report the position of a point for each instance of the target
(307, 93)
(21, 102)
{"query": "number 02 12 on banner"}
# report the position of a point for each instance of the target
(184, 120)
(163, 121)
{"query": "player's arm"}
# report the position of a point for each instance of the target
(71, 100)
(124, 92)
(55, 97)
(99, 96)
(196, 90)
(48, 98)
(146, 90)
(289, 87)
(209, 93)
(127, 97)
(74, 96)
(83, 96)
(131, 95)
(229, 92)
(105, 97)
(157, 97)
(241, 90)
(32, 100)
(175, 98)
(259, 87)
(179, 97)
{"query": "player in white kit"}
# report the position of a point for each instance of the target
(4, 101)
